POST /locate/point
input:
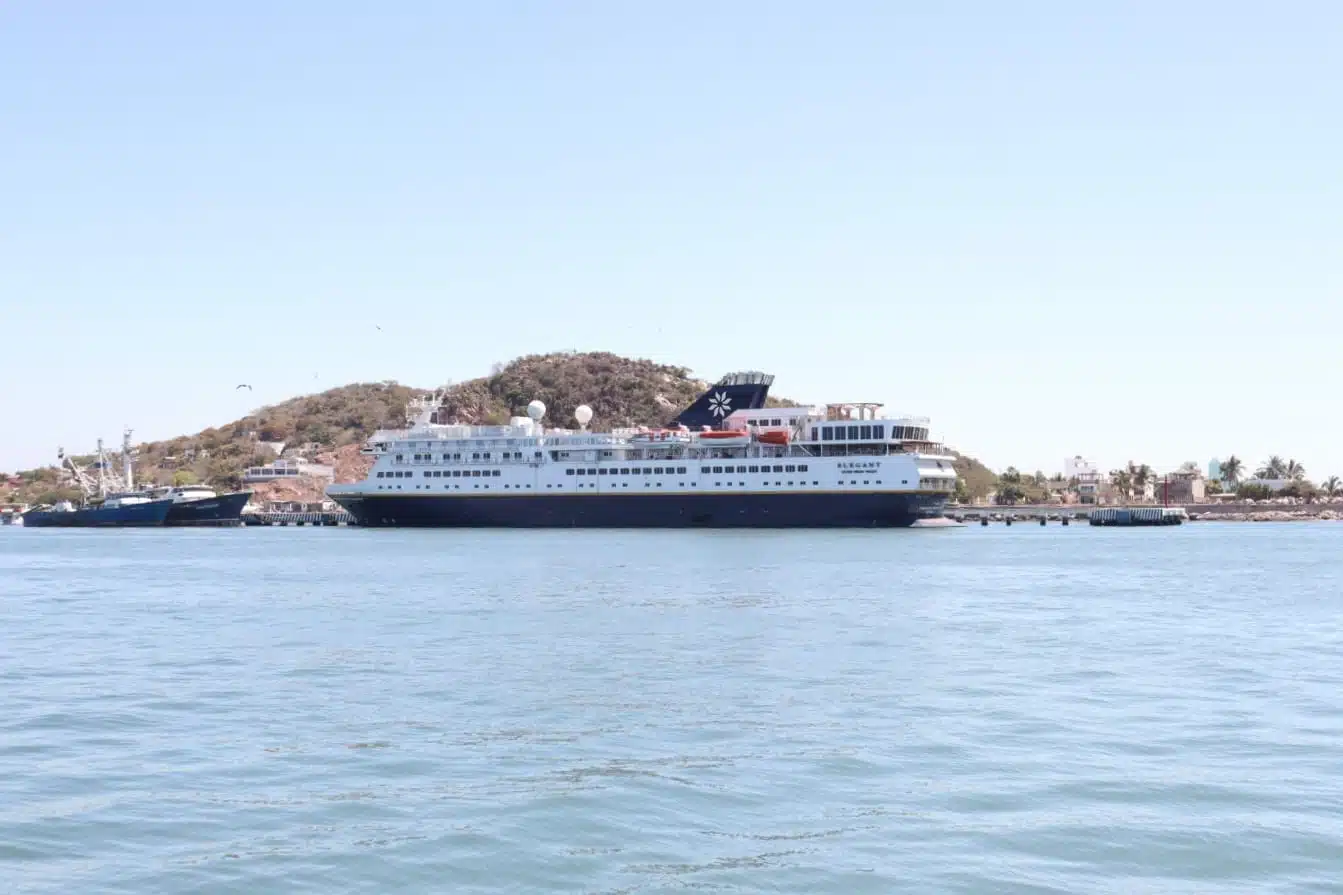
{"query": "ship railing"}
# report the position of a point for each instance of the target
(922, 447)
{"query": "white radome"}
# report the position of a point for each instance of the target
(536, 410)
(583, 413)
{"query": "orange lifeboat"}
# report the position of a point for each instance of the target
(725, 438)
(775, 437)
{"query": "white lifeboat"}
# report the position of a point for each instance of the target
(726, 438)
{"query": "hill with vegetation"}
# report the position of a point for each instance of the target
(331, 426)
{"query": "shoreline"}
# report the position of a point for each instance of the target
(1331, 512)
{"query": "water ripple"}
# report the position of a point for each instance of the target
(996, 710)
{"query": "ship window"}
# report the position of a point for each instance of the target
(625, 471)
(476, 455)
(802, 467)
(537, 455)
(475, 473)
(865, 432)
(703, 469)
(828, 433)
(879, 433)
(379, 474)
(790, 469)
(497, 473)
(603, 472)
(753, 469)
(853, 433)
(776, 422)
(456, 473)
(485, 455)
(778, 469)
(648, 471)
(680, 470)
(568, 472)
(717, 470)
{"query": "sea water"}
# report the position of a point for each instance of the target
(1017, 709)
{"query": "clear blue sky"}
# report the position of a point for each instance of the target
(1052, 227)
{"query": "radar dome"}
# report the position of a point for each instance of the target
(536, 410)
(583, 413)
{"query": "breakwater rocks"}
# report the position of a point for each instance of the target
(1296, 514)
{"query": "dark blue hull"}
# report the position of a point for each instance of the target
(134, 515)
(225, 509)
(823, 510)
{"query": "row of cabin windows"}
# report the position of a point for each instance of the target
(647, 470)
(875, 432)
(478, 455)
(774, 422)
(444, 474)
(778, 467)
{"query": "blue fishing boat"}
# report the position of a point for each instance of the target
(109, 501)
(113, 512)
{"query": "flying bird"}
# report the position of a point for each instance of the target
(244, 385)
(378, 328)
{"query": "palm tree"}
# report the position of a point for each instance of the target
(1331, 487)
(1122, 481)
(1275, 468)
(1140, 476)
(1294, 471)
(1232, 467)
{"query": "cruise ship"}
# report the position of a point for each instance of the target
(727, 460)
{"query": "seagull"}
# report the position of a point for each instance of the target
(378, 328)
(244, 385)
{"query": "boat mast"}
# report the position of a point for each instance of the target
(128, 459)
(81, 477)
(102, 470)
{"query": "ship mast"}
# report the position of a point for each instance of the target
(128, 459)
(102, 470)
(81, 477)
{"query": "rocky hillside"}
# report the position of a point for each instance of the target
(620, 391)
(329, 427)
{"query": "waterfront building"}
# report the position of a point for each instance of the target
(288, 469)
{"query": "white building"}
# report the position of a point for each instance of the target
(1078, 468)
(282, 470)
(1274, 485)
